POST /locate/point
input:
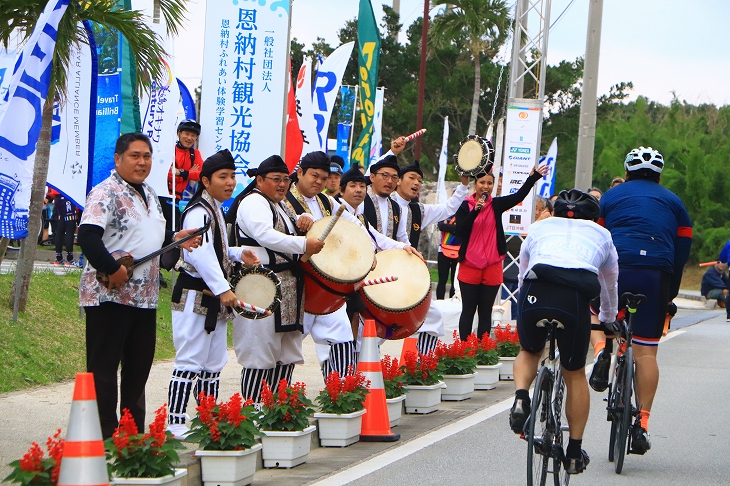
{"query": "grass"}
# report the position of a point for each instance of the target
(47, 344)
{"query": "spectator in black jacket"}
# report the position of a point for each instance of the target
(483, 248)
(715, 284)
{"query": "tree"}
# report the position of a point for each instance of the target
(483, 25)
(20, 17)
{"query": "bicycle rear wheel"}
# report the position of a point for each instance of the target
(560, 476)
(539, 437)
(613, 399)
(624, 418)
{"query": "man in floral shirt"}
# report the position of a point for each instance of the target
(123, 214)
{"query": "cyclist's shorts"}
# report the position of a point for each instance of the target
(546, 300)
(648, 323)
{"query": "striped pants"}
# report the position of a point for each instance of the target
(181, 385)
(252, 380)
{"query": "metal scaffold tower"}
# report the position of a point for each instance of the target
(528, 62)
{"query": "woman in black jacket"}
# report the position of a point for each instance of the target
(479, 225)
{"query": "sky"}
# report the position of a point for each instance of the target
(662, 46)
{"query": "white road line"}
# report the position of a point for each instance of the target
(393, 455)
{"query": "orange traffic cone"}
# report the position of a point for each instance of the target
(84, 461)
(375, 422)
(409, 344)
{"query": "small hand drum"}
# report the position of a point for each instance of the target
(475, 156)
(258, 286)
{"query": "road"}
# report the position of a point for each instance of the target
(689, 429)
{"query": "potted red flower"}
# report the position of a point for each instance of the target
(342, 404)
(422, 380)
(136, 458)
(457, 363)
(488, 364)
(395, 394)
(284, 421)
(508, 347)
(36, 469)
(227, 435)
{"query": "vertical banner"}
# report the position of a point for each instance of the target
(327, 83)
(345, 119)
(521, 151)
(441, 196)
(188, 103)
(244, 81)
(368, 42)
(73, 151)
(159, 122)
(108, 103)
(20, 123)
(304, 109)
(546, 185)
(294, 136)
(7, 63)
(376, 145)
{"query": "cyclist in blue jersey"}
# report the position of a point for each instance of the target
(653, 235)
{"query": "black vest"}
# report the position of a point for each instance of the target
(414, 232)
(299, 209)
(370, 212)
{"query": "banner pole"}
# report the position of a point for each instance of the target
(18, 278)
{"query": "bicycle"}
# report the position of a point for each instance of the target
(620, 408)
(546, 415)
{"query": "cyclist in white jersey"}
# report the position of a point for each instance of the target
(564, 263)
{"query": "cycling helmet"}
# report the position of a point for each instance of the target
(576, 204)
(190, 126)
(644, 158)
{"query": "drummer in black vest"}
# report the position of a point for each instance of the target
(380, 210)
(268, 349)
(307, 204)
(199, 321)
(415, 216)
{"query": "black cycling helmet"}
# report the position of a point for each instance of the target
(190, 126)
(576, 204)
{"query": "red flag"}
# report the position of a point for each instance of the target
(294, 139)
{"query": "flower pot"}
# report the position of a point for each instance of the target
(228, 468)
(169, 480)
(458, 387)
(395, 409)
(286, 449)
(487, 376)
(339, 430)
(506, 372)
(423, 398)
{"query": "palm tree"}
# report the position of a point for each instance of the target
(481, 25)
(18, 18)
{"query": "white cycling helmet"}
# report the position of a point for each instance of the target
(644, 158)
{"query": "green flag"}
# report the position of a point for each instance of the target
(131, 121)
(368, 41)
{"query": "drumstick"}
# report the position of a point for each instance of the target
(708, 264)
(249, 307)
(326, 232)
(415, 134)
(376, 281)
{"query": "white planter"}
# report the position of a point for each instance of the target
(423, 399)
(395, 409)
(339, 430)
(458, 387)
(228, 468)
(170, 480)
(286, 449)
(506, 372)
(487, 376)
